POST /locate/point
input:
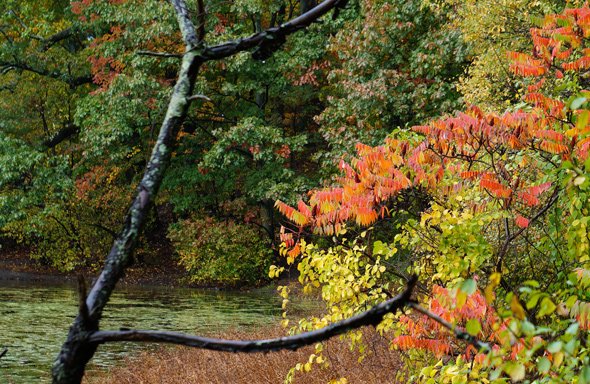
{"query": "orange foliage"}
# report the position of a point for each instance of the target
(460, 145)
(426, 334)
(522, 222)
(556, 44)
(310, 74)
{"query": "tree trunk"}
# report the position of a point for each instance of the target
(267, 219)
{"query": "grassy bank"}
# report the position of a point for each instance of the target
(173, 365)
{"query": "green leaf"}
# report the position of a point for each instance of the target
(379, 248)
(547, 307)
(572, 329)
(527, 328)
(461, 299)
(554, 347)
(516, 371)
(570, 346)
(532, 302)
(582, 120)
(469, 286)
(473, 327)
(571, 301)
(543, 365)
(577, 103)
(495, 374)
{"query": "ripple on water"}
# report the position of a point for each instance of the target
(34, 320)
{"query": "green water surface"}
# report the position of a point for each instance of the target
(34, 320)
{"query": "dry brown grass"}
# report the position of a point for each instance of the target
(173, 365)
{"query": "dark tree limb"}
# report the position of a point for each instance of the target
(72, 81)
(49, 41)
(269, 40)
(61, 135)
(77, 350)
(372, 317)
(160, 54)
(202, 20)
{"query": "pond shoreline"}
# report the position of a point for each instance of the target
(16, 265)
(162, 279)
(10, 275)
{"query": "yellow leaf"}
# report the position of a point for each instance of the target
(461, 299)
(558, 359)
(517, 309)
(489, 290)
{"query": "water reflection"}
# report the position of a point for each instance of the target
(34, 320)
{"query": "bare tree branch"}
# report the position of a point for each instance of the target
(509, 238)
(271, 39)
(63, 134)
(202, 20)
(199, 97)
(56, 38)
(372, 317)
(47, 41)
(72, 81)
(160, 54)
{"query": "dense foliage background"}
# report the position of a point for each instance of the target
(81, 103)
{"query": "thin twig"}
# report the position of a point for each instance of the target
(552, 200)
(459, 333)
(199, 97)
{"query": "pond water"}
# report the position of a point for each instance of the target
(34, 320)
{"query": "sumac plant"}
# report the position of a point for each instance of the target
(490, 209)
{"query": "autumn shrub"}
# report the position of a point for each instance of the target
(220, 252)
(79, 231)
(65, 240)
(67, 219)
